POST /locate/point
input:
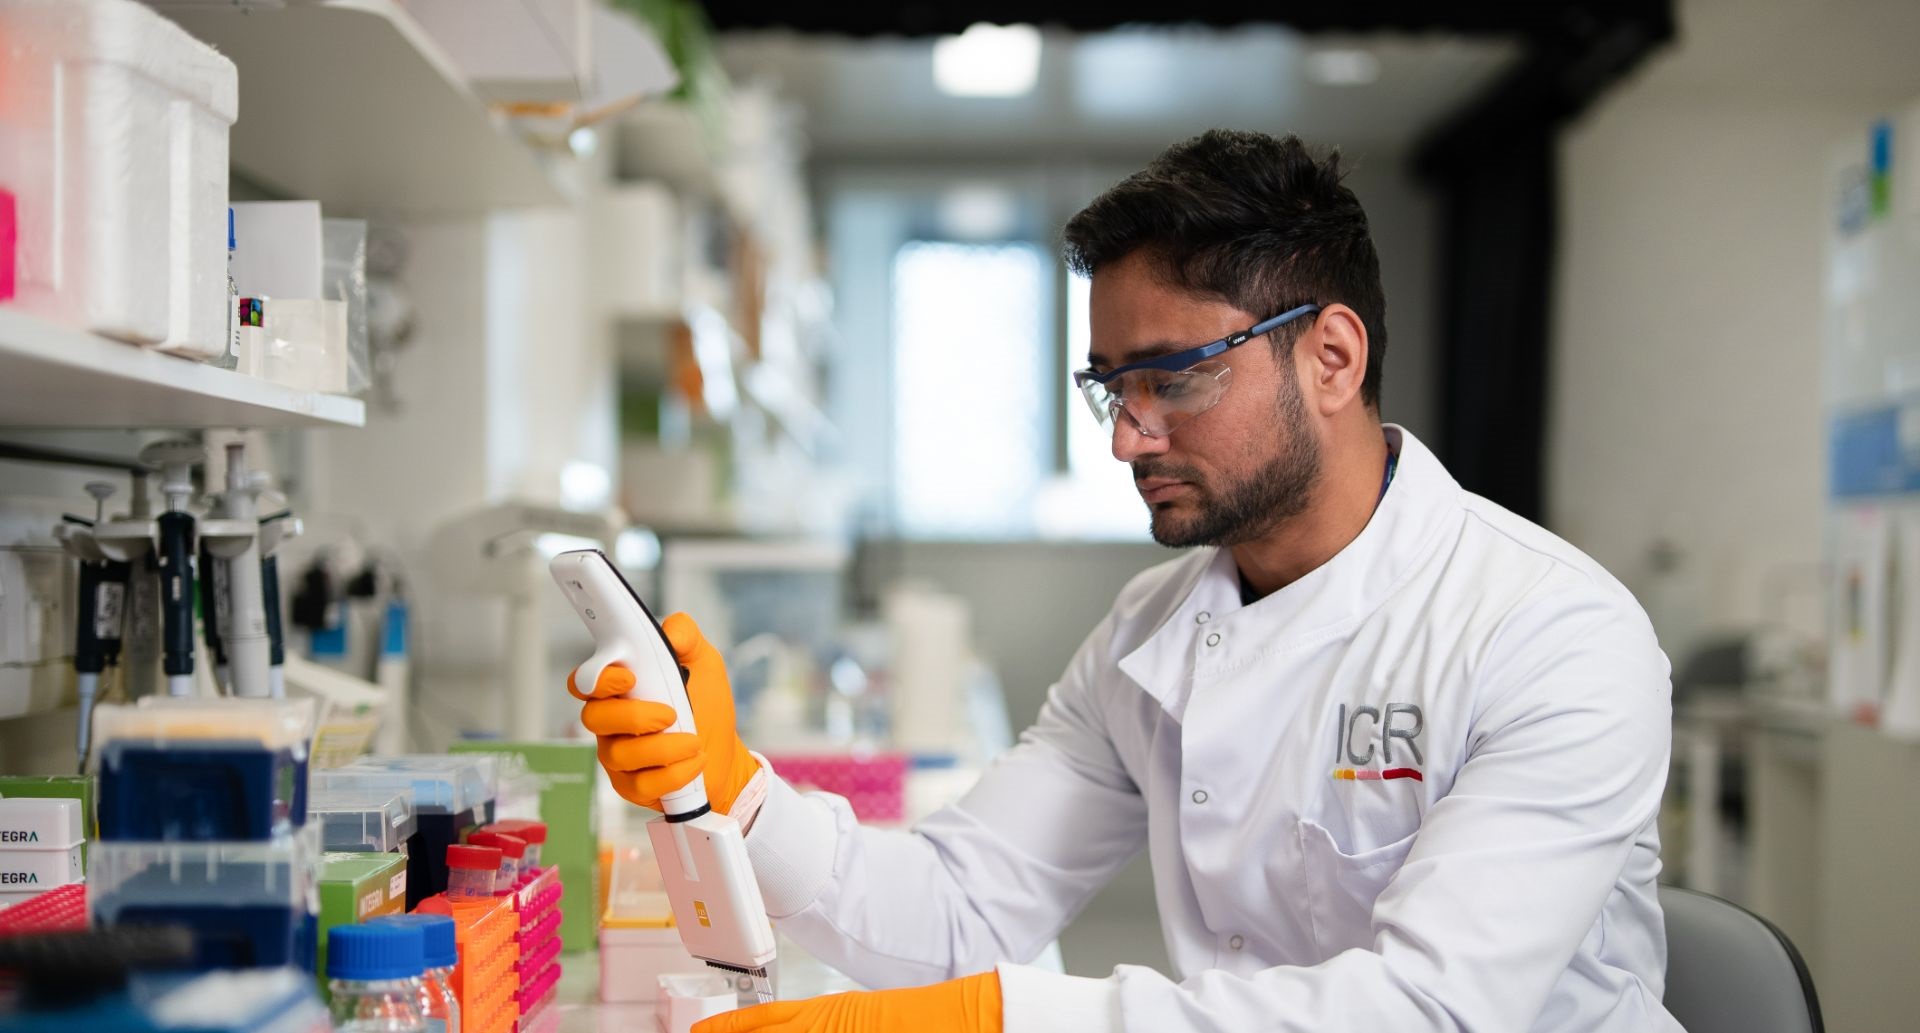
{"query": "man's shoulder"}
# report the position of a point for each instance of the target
(1526, 552)
(1558, 602)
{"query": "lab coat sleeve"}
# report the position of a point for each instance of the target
(1504, 879)
(992, 878)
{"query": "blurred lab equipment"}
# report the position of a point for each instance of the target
(503, 550)
(141, 577)
(100, 609)
(174, 557)
(932, 656)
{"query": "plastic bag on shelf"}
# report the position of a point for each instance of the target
(344, 272)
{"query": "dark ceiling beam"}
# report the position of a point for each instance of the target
(1493, 169)
(1542, 19)
(1556, 78)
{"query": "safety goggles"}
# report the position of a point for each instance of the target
(1161, 393)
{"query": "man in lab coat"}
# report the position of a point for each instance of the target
(1396, 754)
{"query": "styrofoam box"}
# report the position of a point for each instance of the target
(113, 139)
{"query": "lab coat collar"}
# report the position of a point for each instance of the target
(1422, 503)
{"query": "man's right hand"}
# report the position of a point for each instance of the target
(645, 762)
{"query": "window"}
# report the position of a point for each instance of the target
(971, 372)
(950, 380)
(1094, 497)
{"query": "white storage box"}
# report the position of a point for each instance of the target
(688, 997)
(36, 823)
(8, 898)
(632, 958)
(641, 251)
(40, 870)
(277, 249)
(113, 139)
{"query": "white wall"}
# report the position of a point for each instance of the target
(1687, 336)
(1686, 357)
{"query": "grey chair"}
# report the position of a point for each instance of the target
(1731, 971)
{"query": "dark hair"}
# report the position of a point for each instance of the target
(1255, 220)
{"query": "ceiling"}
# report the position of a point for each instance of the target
(1121, 93)
(1780, 52)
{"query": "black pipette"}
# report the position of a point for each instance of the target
(270, 596)
(99, 610)
(211, 617)
(175, 557)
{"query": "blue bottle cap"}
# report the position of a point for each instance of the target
(375, 952)
(442, 946)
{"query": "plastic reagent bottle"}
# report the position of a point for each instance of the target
(512, 849)
(373, 972)
(438, 1002)
(534, 832)
(471, 872)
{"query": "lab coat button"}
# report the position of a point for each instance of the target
(1199, 796)
(1237, 942)
(1202, 617)
(1213, 639)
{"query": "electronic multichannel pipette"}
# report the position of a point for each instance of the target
(703, 859)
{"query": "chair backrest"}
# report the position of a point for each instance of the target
(1731, 971)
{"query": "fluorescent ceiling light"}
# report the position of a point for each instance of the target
(988, 61)
(1343, 66)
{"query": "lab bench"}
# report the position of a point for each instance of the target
(1828, 820)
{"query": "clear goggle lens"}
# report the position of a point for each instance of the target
(1156, 400)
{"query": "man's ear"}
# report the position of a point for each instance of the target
(1333, 359)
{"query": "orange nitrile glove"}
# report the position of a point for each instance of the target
(970, 1004)
(645, 763)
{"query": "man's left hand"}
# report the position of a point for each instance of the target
(967, 1005)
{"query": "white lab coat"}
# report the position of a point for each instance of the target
(1508, 887)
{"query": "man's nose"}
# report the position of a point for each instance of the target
(1128, 441)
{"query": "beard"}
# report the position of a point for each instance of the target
(1248, 508)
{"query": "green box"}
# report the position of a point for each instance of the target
(57, 787)
(568, 772)
(355, 887)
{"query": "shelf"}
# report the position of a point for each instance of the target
(53, 376)
(351, 103)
